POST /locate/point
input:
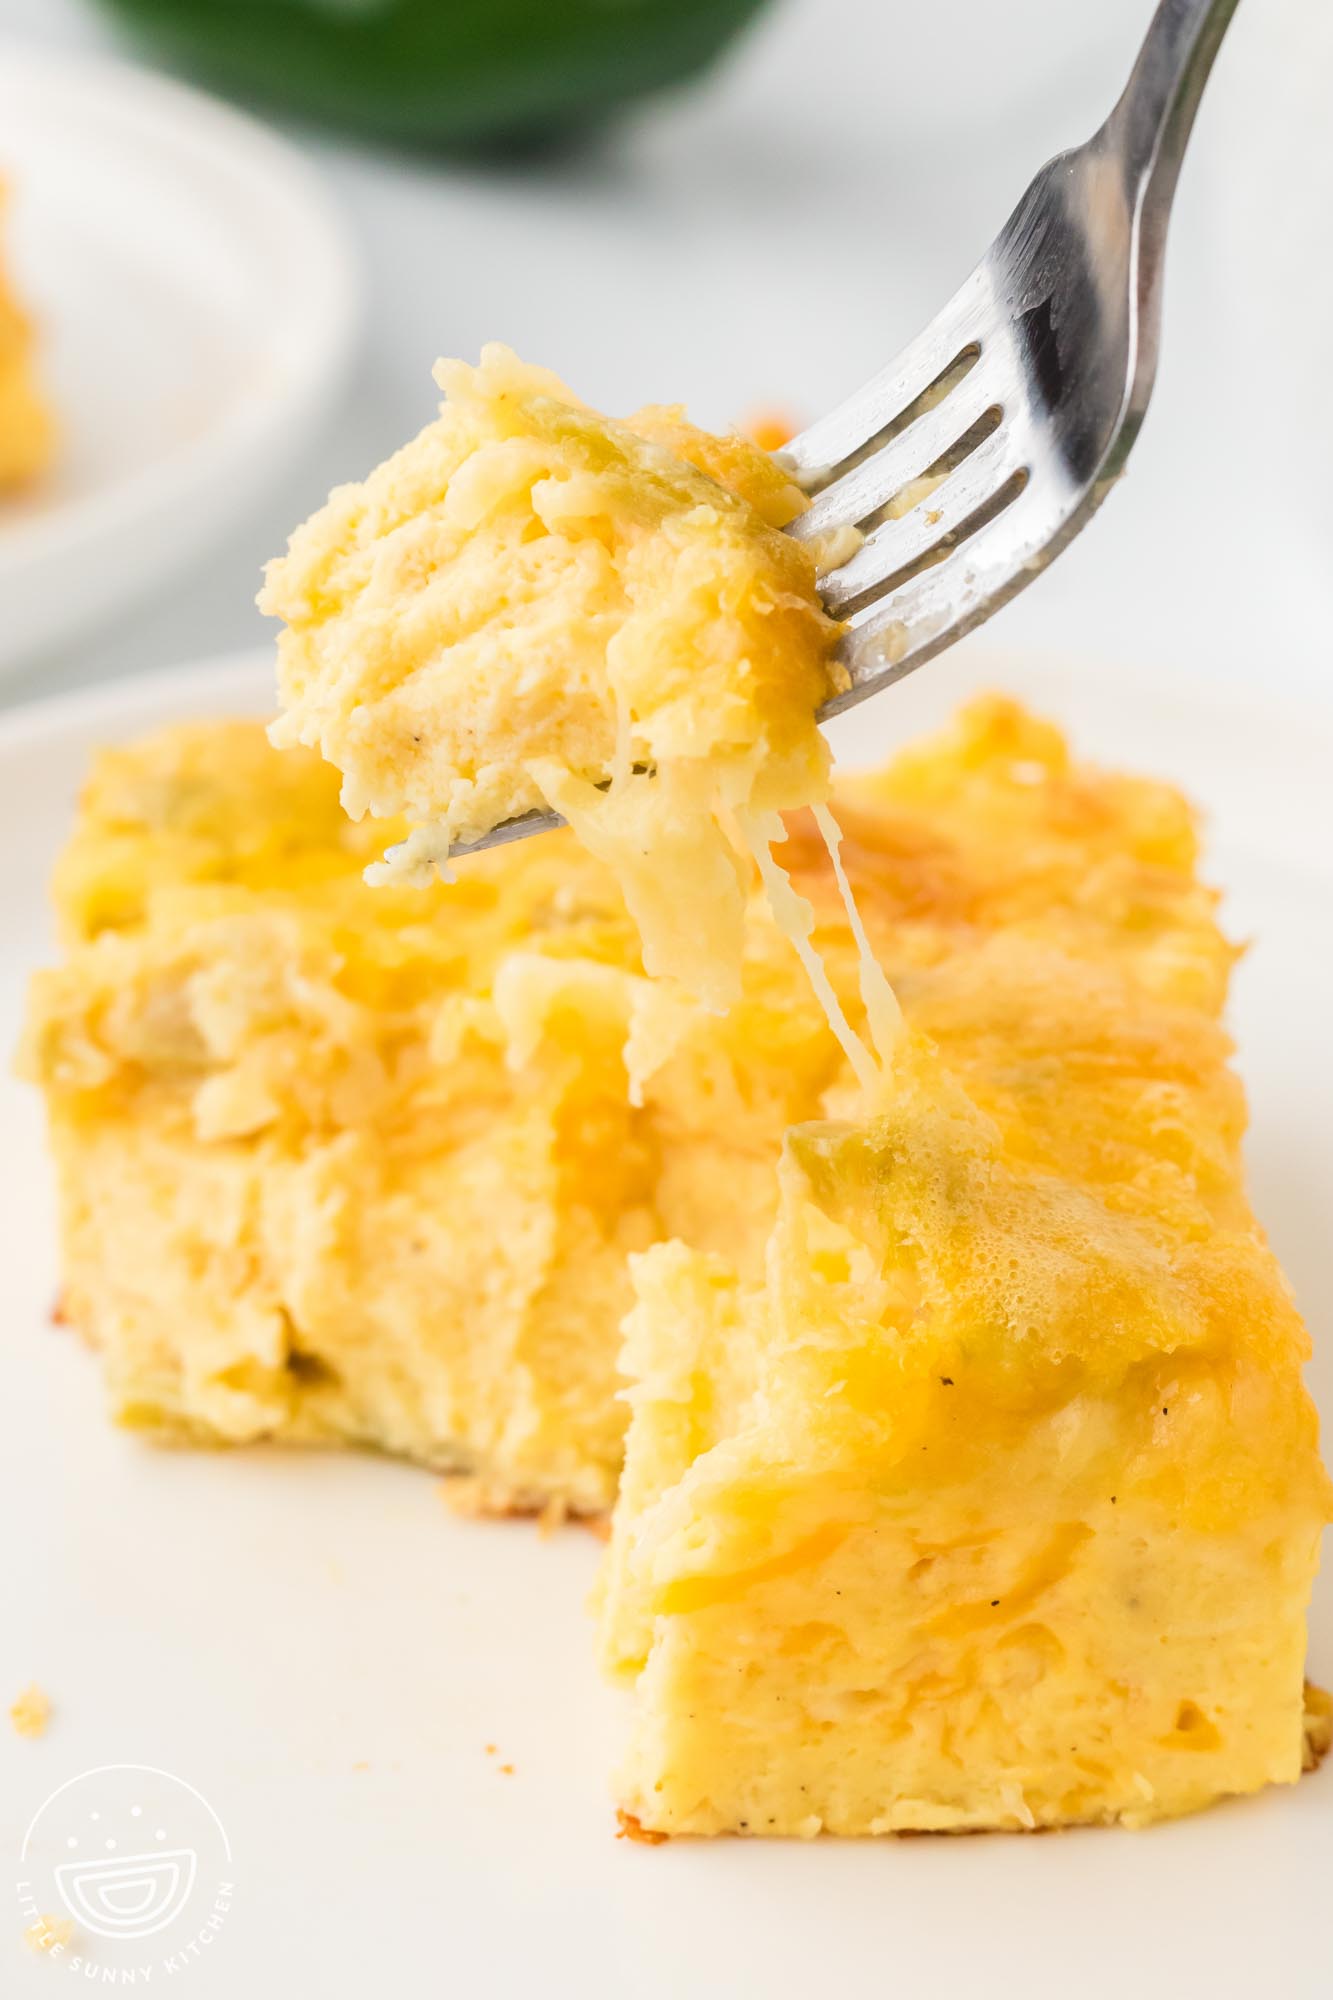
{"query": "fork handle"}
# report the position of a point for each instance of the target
(1151, 124)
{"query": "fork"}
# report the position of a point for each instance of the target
(965, 467)
(1022, 398)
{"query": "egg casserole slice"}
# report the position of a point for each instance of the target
(342, 1163)
(27, 433)
(996, 1502)
(531, 606)
(970, 1478)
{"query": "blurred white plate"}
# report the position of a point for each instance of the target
(321, 1649)
(196, 303)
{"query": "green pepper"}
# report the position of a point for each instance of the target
(454, 73)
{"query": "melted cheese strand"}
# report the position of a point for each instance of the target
(795, 918)
(884, 1017)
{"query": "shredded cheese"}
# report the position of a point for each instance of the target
(884, 1017)
(795, 918)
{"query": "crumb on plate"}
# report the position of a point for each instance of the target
(46, 1933)
(31, 1713)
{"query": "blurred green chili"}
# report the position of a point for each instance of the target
(453, 73)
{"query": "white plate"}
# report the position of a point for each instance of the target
(263, 1623)
(196, 305)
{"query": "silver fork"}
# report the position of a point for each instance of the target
(1019, 403)
(1023, 396)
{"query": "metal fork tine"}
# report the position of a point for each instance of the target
(895, 545)
(509, 829)
(814, 457)
(899, 631)
(851, 500)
